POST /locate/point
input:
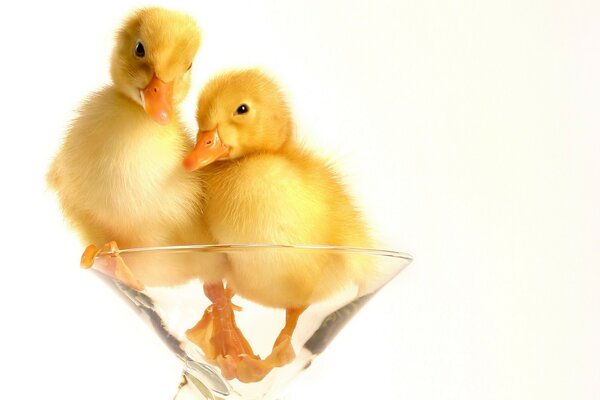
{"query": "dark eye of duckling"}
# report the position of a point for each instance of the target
(242, 109)
(190, 67)
(139, 50)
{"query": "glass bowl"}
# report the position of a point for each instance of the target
(244, 344)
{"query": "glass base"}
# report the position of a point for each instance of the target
(191, 388)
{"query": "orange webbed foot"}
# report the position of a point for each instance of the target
(217, 333)
(114, 266)
(228, 366)
(224, 344)
(254, 370)
(201, 334)
(283, 352)
(87, 258)
(250, 369)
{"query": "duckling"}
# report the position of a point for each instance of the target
(118, 174)
(263, 187)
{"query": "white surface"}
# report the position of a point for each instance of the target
(470, 133)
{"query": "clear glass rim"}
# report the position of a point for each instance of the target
(226, 248)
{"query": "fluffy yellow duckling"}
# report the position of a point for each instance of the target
(118, 174)
(263, 187)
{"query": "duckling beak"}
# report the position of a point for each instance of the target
(157, 99)
(209, 148)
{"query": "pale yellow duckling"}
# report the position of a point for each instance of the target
(262, 187)
(118, 174)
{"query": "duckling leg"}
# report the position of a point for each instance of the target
(254, 370)
(283, 352)
(227, 337)
(291, 320)
(218, 334)
(114, 266)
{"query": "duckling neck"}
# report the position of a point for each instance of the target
(289, 145)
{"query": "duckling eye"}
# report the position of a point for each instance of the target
(139, 50)
(242, 109)
(190, 67)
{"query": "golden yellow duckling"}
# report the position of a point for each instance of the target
(263, 187)
(118, 174)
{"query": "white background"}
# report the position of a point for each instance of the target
(469, 131)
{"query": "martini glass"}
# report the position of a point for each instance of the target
(165, 285)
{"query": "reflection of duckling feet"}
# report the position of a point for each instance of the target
(113, 266)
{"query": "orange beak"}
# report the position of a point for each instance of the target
(209, 148)
(157, 99)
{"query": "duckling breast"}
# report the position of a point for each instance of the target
(125, 169)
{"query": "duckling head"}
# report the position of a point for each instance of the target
(240, 113)
(152, 59)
